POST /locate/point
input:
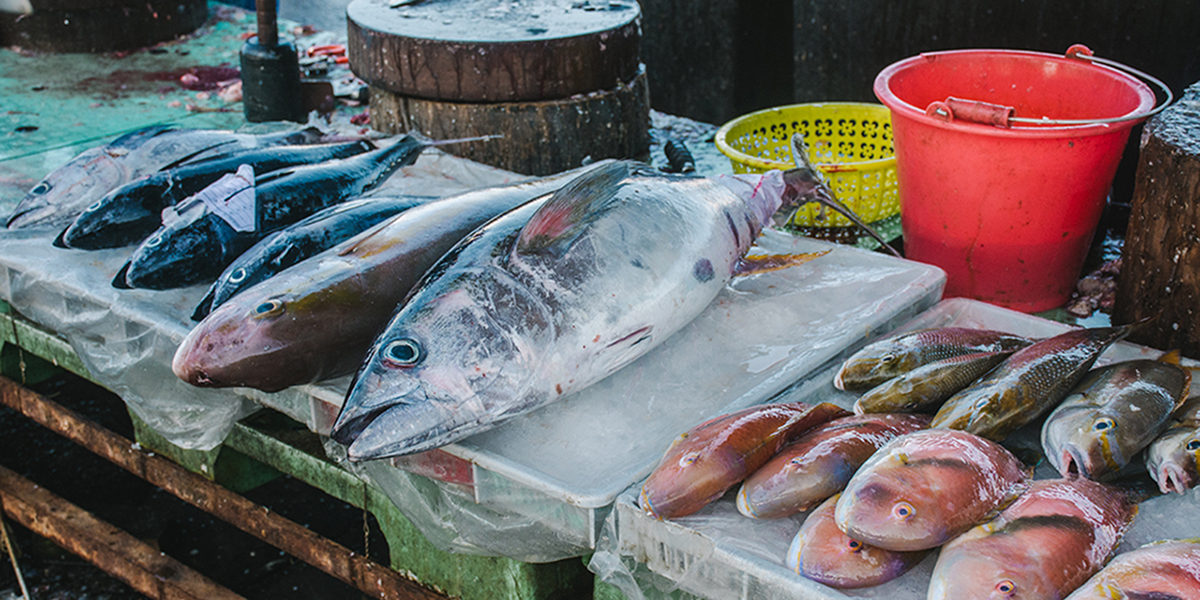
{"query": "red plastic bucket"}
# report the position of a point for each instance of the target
(1007, 208)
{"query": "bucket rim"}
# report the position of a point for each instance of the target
(767, 164)
(882, 89)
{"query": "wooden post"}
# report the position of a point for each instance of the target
(1160, 265)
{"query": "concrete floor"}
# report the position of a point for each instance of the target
(328, 15)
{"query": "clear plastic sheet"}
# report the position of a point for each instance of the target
(538, 487)
(126, 338)
(718, 553)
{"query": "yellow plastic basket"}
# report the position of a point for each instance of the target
(850, 142)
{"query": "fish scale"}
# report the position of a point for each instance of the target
(588, 286)
(891, 357)
(1163, 570)
(1027, 384)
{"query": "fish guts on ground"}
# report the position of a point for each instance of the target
(1047, 543)
(707, 460)
(1113, 414)
(535, 306)
(819, 463)
(1164, 570)
(1027, 384)
(924, 488)
(896, 355)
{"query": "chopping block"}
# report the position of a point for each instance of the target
(561, 80)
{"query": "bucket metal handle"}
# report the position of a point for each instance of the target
(987, 113)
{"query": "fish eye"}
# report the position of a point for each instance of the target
(688, 459)
(237, 275)
(903, 510)
(154, 241)
(403, 352)
(1104, 424)
(41, 188)
(1193, 445)
(268, 308)
(981, 403)
(887, 359)
(854, 545)
(95, 205)
(1006, 586)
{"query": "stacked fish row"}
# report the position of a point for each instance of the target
(879, 500)
(500, 300)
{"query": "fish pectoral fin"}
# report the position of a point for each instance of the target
(120, 281)
(560, 221)
(765, 263)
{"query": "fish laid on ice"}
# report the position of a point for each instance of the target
(922, 489)
(823, 553)
(899, 354)
(1114, 413)
(1173, 458)
(67, 190)
(925, 388)
(1164, 570)
(819, 463)
(712, 457)
(1044, 545)
(197, 246)
(1027, 384)
(316, 319)
(536, 306)
(131, 212)
(307, 237)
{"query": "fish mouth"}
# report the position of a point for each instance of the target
(1072, 464)
(1172, 478)
(398, 430)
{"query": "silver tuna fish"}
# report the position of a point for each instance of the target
(67, 190)
(1113, 414)
(539, 304)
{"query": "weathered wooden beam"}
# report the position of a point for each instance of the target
(112, 549)
(358, 571)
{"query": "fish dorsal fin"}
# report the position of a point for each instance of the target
(560, 221)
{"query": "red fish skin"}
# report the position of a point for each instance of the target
(1044, 545)
(924, 488)
(819, 463)
(1166, 570)
(821, 552)
(704, 462)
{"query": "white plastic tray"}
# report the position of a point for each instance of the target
(721, 555)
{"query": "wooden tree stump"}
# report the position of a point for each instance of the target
(1160, 264)
(100, 25)
(560, 79)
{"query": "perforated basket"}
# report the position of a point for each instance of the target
(850, 142)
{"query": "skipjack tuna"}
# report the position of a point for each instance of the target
(1112, 415)
(893, 356)
(707, 460)
(316, 319)
(535, 306)
(1173, 458)
(823, 553)
(131, 212)
(200, 244)
(309, 236)
(819, 463)
(924, 488)
(928, 386)
(1047, 543)
(1164, 570)
(1026, 385)
(67, 190)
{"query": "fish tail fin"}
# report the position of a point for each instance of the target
(806, 184)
